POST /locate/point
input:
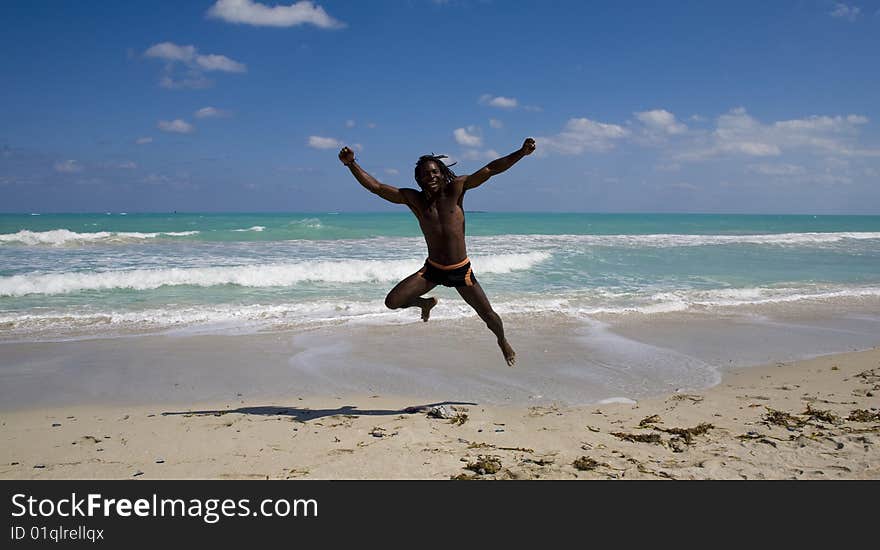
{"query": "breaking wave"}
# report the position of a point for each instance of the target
(269, 275)
(63, 237)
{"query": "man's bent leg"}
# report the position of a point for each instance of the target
(476, 298)
(408, 293)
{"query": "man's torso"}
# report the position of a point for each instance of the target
(442, 222)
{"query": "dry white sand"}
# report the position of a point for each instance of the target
(812, 419)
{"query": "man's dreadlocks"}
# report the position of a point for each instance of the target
(448, 174)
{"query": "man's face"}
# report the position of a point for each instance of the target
(430, 177)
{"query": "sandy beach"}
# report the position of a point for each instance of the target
(810, 419)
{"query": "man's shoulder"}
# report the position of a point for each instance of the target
(411, 195)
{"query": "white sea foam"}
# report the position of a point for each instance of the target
(623, 400)
(662, 240)
(270, 275)
(223, 317)
(312, 223)
(63, 237)
(758, 295)
(254, 316)
(257, 228)
(603, 302)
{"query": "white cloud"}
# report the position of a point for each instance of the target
(319, 142)
(211, 112)
(392, 171)
(127, 165)
(194, 65)
(776, 169)
(661, 121)
(213, 62)
(738, 133)
(843, 11)
(475, 154)
(248, 12)
(583, 134)
(499, 101)
(176, 126)
(143, 140)
(469, 137)
(68, 167)
(349, 124)
(171, 52)
(495, 123)
(189, 56)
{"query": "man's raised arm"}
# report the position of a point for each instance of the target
(499, 165)
(387, 192)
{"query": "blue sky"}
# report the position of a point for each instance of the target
(237, 105)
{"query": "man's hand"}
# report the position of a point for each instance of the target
(528, 146)
(346, 155)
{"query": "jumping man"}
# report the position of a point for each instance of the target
(438, 207)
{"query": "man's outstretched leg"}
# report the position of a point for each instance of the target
(476, 298)
(408, 293)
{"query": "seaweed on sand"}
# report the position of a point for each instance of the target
(648, 420)
(638, 438)
(824, 416)
(688, 433)
(586, 463)
(863, 415)
(782, 418)
(485, 464)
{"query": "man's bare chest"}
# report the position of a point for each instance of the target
(443, 212)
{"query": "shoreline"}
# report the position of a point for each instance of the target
(807, 419)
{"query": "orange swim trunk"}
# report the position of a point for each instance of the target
(455, 275)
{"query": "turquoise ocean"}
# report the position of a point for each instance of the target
(82, 276)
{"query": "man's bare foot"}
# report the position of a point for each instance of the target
(509, 354)
(426, 308)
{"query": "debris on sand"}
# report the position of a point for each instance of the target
(586, 463)
(687, 434)
(441, 411)
(863, 415)
(539, 461)
(682, 396)
(519, 449)
(824, 416)
(869, 376)
(782, 418)
(543, 411)
(659, 473)
(638, 438)
(459, 419)
(648, 420)
(485, 464)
